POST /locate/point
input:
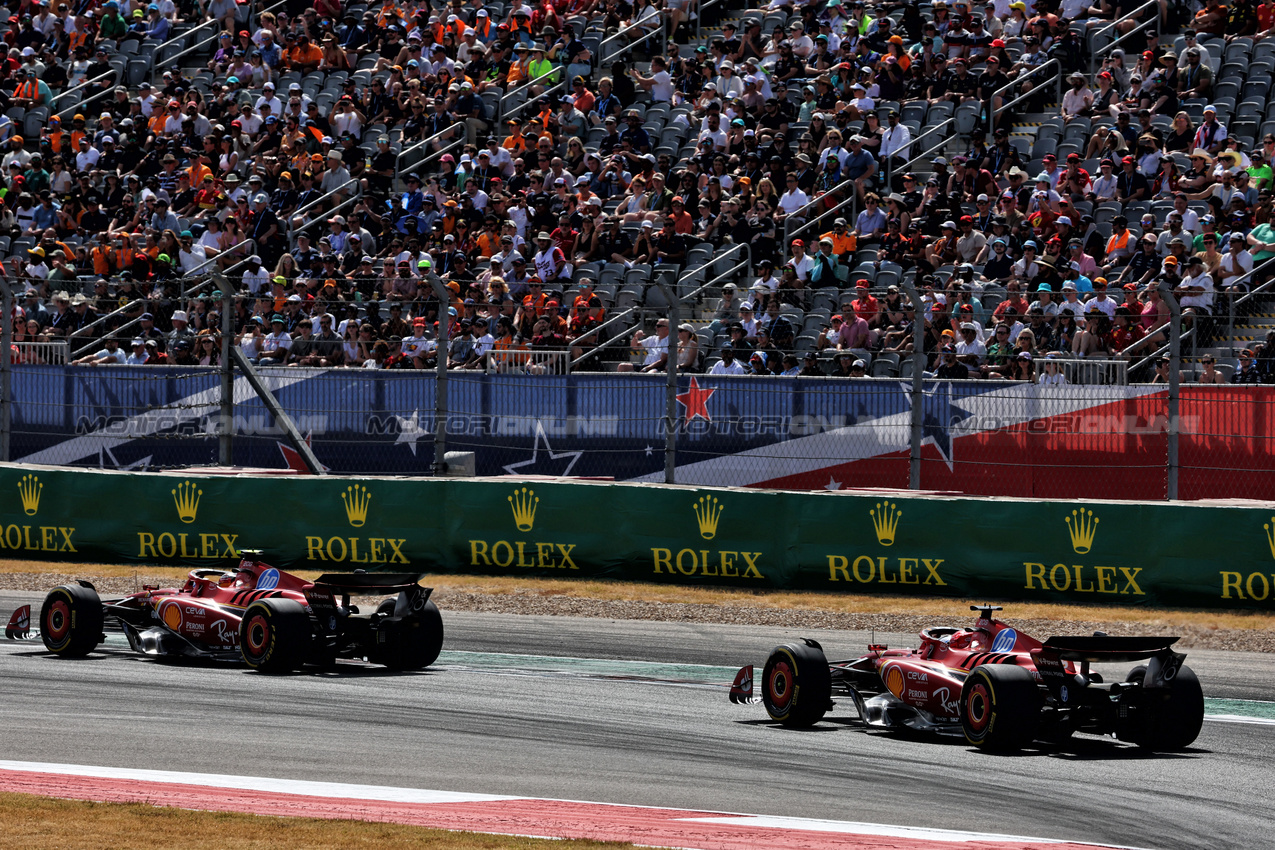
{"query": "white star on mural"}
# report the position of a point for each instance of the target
(551, 464)
(833, 484)
(410, 430)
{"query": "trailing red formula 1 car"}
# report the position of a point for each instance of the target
(999, 687)
(269, 619)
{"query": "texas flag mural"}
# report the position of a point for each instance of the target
(978, 437)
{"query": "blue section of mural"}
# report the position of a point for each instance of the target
(382, 422)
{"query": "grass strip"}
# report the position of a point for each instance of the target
(956, 610)
(33, 821)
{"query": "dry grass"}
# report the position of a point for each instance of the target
(31, 821)
(622, 591)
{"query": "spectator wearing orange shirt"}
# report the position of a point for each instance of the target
(304, 56)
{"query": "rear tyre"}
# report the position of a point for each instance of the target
(412, 642)
(1000, 707)
(1174, 723)
(71, 621)
(274, 635)
(796, 685)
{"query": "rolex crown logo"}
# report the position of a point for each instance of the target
(707, 512)
(523, 503)
(186, 497)
(1083, 525)
(30, 488)
(885, 521)
(1270, 535)
(356, 499)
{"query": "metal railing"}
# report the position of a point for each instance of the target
(455, 129)
(526, 361)
(1264, 288)
(101, 321)
(56, 352)
(994, 112)
(78, 107)
(1095, 55)
(290, 231)
(803, 212)
(808, 224)
(746, 264)
(662, 31)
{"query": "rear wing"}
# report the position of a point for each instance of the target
(1105, 648)
(376, 582)
(1161, 669)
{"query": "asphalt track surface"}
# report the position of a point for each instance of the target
(593, 731)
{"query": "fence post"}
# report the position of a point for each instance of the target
(1175, 386)
(670, 390)
(6, 369)
(225, 454)
(918, 384)
(440, 376)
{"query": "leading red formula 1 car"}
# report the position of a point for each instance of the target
(267, 618)
(1000, 688)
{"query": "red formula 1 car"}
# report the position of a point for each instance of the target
(267, 618)
(1000, 688)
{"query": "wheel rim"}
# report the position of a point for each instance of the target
(978, 708)
(58, 622)
(257, 635)
(779, 685)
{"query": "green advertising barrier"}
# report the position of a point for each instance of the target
(1100, 552)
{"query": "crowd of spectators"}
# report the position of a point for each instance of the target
(557, 148)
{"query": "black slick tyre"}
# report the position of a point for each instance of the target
(411, 642)
(796, 685)
(1174, 721)
(71, 621)
(274, 635)
(1000, 707)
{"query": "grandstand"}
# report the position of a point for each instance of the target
(791, 176)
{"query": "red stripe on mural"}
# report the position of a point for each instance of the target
(1116, 450)
(549, 818)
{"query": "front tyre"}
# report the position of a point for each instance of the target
(796, 685)
(1000, 707)
(274, 635)
(71, 621)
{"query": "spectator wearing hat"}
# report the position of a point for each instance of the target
(1248, 372)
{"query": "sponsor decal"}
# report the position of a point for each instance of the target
(721, 563)
(186, 497)
(892, 676)
(523, 504)
(708, 510)
(880, 569)
(30, 488)
(1005, 640)
(357, 499)
(1082, 527)
(268, 580)
(528, 554)
(885, 522)
(170, 614)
